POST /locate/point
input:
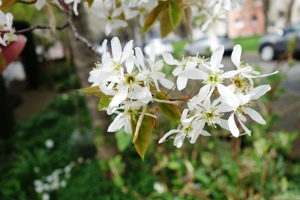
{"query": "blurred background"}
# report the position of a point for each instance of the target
(54, 143)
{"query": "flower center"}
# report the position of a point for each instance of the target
(130, 79)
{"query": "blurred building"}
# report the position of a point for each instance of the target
(278, 13)
(247, 20)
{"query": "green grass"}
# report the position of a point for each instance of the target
(248, 43)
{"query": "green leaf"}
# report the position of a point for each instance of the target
(123, 140)
(153, 16)
(142, 141)
(175, 11)
(104, 102)
(165, 23)
(169, 110)
(93, 91)
(7, 4)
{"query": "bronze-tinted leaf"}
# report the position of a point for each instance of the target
(104, 102)
(7, 4)
(154, 15)
(94, 91)
(51, 17)
(165, 23)
(143, 139)
(169, 110)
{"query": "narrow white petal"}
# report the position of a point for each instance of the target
(140, 56)
(205, 133)
(232, 126)
(167, 135)
(39, 4)
(236, 55)
(228, 96)
(191, 65)
(216, 57)
(178, 141)
(247, 131)
(117, 124)
(229, 74)
(116, 48)
(259, 91)
(166, 83)
(224, 124)
(127, 52)
(119, 96)
(177, 71)
(169, 59)
(194, 74)
(255, 116)
(181, 82)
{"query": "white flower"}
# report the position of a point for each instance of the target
(245, 70)
(189, 128)
(109, 15)
(45, 196)
(244, 108)
(216, 13)
(213, 78)
(75, 4)
(185, 64)
(153, 71)
(123, 119)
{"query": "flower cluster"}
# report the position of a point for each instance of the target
(6, 21)
(130, 82)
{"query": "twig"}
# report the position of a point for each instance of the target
(165, 101)
(59, 28)
(81, 38)
(28, 2)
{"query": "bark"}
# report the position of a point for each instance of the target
(84, 60)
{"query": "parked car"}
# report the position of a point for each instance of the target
(206, 44)
(272, 45)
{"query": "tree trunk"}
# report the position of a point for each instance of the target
(84, 60)
(289, 12)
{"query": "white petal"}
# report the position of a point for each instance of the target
(205, 133)
(255, 116)
(232, 126)
(116, 48)
(194, 74)
(181, 82)
(127, 52)
(39, 4)
(216, 57)
(204, 91)
(167, 135)
(178, 141)
(229, 74)
(119, 96)
(177, 71)
(169, 59)
(247, 131)
(190, 65)
(224, 124)
(117, 124)
(228, 96)
(259, 91)
(140, 56)
(166, 83)
(236, 55)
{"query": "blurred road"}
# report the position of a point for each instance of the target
(293, 73)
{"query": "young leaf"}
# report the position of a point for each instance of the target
(165, 23)
(169, 110)
(2, 62)
(175, 11)
(153, 16)
(7, 4)
(94, 91)
(51, 17)
(104, 102)
(143, 139)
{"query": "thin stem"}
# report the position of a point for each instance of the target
(165, 101)
(28, 2)
(59, 28)
(80, 37)
(139, 123)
